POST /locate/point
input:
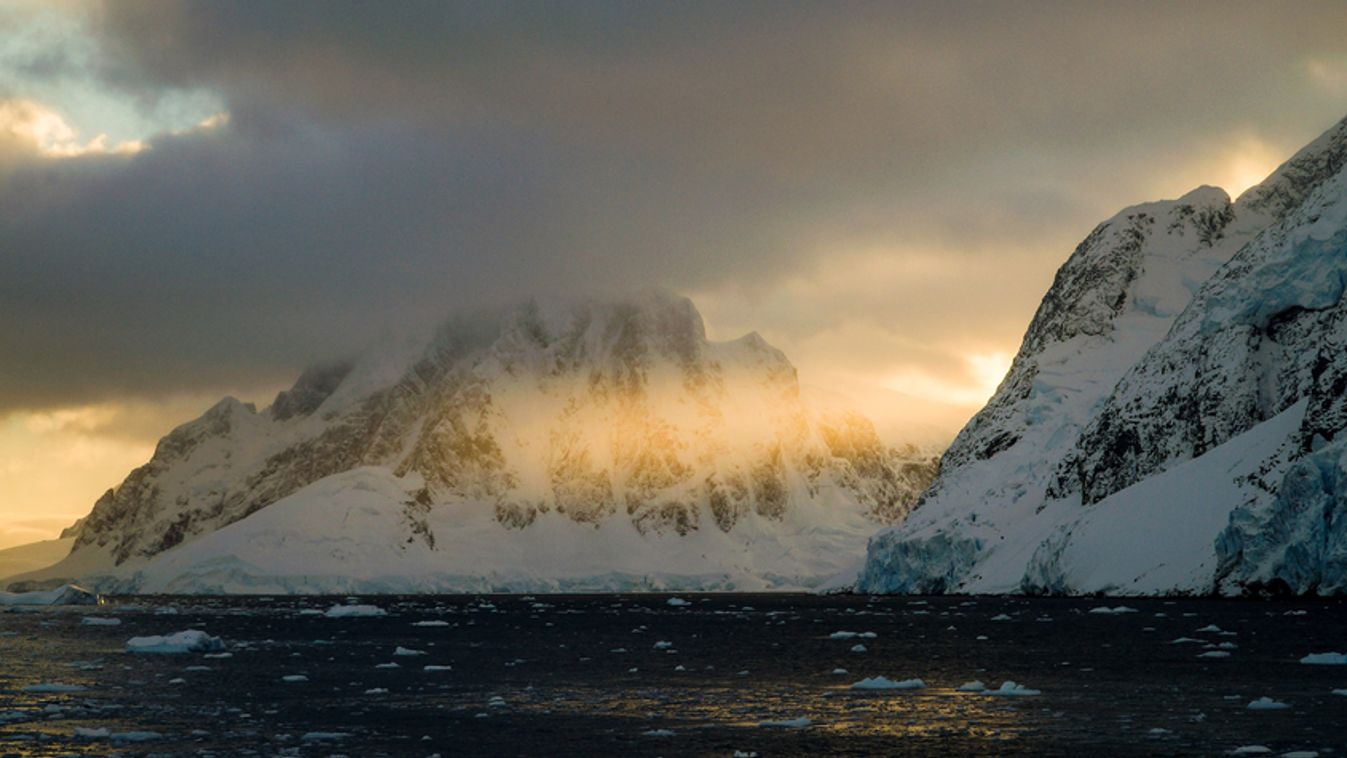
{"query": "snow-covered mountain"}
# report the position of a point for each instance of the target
(1169, 423)
(589, 445)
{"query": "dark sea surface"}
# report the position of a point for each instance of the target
(634, 675)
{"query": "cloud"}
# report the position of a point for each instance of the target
(825, 170)
(45, 132)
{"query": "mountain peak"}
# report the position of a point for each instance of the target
(608, 429)
(1287, 186)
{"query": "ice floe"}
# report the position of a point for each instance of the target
(884, 683)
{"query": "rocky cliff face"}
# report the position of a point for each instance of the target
(587, 414)
(1179, 334)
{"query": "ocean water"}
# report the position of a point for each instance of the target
(718, 675)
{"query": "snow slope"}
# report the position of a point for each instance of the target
(1149, 406)
(594, 444)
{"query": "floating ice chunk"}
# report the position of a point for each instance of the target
(354, 611)
(800, 723)
(1251, 750)
(660, 732)
(1214, 654)
(1012, 689)
(884, 683)
(92, 733)
(389, 665)
(294, 678)
(189, 641)
(1210, 628)
(324, 736)
(1106, 611)
(1001, 617)
(135, 736)
(1183, 640)
(376, 691)
(1301, 754)
(744, 754)
(407, 652)
(434, 667)
(852, 635)
(858, 648)
(54, 688)
(675, 602)
(663, 645)
(100, 621)
(839, 671)
(1342, 692)
(1325, 659)
(1267, 704)
(973, 686)
(431, 623)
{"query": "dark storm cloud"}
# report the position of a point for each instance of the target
(387, 163)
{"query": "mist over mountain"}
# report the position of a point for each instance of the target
(592, 444)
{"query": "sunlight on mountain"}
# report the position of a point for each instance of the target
(1251, 161)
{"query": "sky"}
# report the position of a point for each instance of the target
(203, 198)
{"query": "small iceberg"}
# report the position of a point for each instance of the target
(800, 723)
(190, 641)
(69, 594)
(1325, 659)
(1267, 704)
(1012, 689)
